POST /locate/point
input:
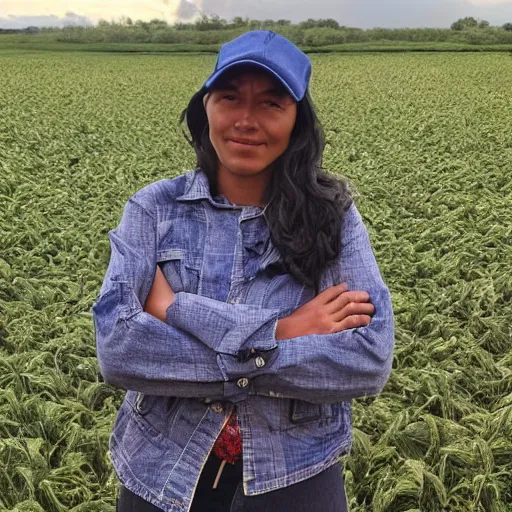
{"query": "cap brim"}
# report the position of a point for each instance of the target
(217, 74)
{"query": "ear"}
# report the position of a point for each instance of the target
(205, 99)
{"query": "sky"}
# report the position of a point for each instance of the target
(355, 13)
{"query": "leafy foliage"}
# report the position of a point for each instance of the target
(468, 23)
(207, 30)
(426, 141)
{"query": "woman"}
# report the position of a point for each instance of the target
(242, 308)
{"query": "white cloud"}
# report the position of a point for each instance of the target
(357, 13)
(93, 9)
(20, 22)
(485, 3)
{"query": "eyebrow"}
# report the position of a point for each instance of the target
(280, 92)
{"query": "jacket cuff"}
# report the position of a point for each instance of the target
(259, 354)
(243, 336)
(225, 328)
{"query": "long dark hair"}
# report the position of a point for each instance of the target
(305, 204)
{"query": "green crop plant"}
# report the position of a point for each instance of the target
(426, 142)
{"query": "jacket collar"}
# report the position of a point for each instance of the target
(197, 187)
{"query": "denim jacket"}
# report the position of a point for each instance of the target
(218, 348)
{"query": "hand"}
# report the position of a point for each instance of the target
(160, 297)
(333, 310)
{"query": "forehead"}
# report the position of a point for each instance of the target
(254, 77)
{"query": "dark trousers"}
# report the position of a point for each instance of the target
(322, 493)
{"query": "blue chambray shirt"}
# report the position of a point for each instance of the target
(218, 347)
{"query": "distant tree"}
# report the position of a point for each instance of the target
(283, 23)
(320, 23)
(254, 24)
(238, 21)
(142, 24)
(328, 23)
(309, 23)
(183, 26)
(213, 22)
(123, 20)
(508, 27)
(469, 23)
(157, 22)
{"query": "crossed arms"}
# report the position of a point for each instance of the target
(149, 339)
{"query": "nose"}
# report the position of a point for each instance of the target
(246, 120)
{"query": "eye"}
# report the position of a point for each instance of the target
(272, 104)
(229, 97)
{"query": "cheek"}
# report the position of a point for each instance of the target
(217, 126)
(216, 138)
(283, 128)
(282, 137)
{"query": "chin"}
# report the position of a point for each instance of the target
(245, 170)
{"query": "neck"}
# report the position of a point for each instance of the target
(243, 190)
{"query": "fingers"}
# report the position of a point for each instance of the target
(345, 298)
(354, 309)
(331, 293)
(353, 321)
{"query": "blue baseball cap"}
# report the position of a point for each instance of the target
(269, 51)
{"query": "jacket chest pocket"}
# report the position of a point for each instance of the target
(298, 412)
(156, 415)
(180, 270)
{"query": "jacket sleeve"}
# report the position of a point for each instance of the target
(139, 352)
(208, 348)
(315, 368)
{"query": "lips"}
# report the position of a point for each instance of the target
(246, 142)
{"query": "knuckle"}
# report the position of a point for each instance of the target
(365, 319)
(358, 297)
(349, 308)
(356, 320)
(354, 306)
(344, 299)
(361, 296)
(349, 322)
(324, 318)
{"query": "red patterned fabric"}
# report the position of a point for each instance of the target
(228, 445)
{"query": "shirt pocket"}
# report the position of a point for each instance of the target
(180, 269)
(296, 412)
(155, 414)
(333, 425)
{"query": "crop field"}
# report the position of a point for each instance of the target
(426, 140)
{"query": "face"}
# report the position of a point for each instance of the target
(251, 118)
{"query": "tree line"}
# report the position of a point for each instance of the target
(211, 29)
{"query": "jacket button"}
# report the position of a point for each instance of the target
(260, 362)
(242, 383)
(217, 407)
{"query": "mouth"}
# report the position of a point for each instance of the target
(246, 142)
